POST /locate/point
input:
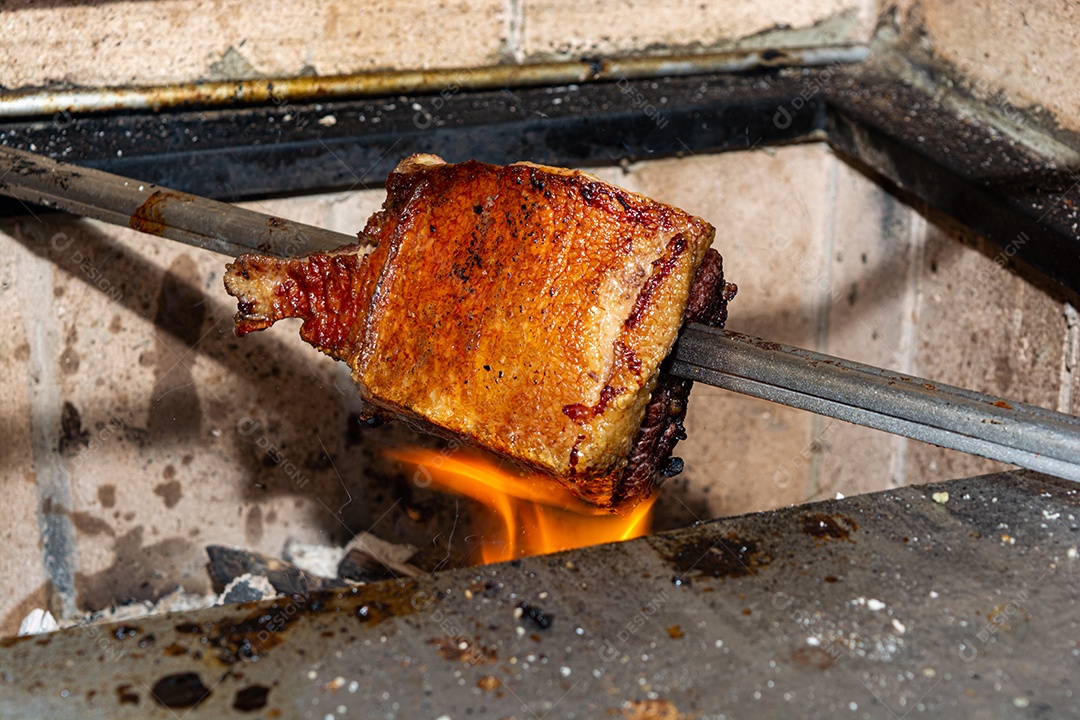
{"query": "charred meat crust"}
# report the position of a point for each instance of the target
(650, 455)
(523, 309)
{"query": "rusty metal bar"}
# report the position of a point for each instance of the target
(156, 210)
(37, 103)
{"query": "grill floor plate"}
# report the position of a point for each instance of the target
(893, 600)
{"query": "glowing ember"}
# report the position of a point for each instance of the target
(529, 515)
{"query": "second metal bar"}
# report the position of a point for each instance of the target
(1012, 432)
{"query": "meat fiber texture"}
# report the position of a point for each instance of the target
(524, 309)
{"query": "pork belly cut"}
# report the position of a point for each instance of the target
(525, 309)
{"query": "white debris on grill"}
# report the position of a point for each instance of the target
(37, 622)
(178, 600)
(321, 560)
(324, 561)
(247, 588)
(317, 560)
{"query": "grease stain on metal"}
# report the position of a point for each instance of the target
(125, 695)
(826, 527)
(251, 698)
(717, 557)
(182, 690)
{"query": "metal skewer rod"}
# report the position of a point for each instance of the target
(153, 209)
(951, 417)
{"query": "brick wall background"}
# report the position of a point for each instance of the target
(135, 426)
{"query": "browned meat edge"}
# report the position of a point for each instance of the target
(650, 455)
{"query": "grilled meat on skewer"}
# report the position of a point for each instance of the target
(523, 308)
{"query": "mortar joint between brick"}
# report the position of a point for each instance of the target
(513, 44)
(57, 532)
(1069, 358)
(909, 335)
(823, 302)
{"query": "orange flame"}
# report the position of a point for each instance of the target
(529, 514)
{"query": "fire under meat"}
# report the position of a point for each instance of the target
(524, 513)
(527, 310)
